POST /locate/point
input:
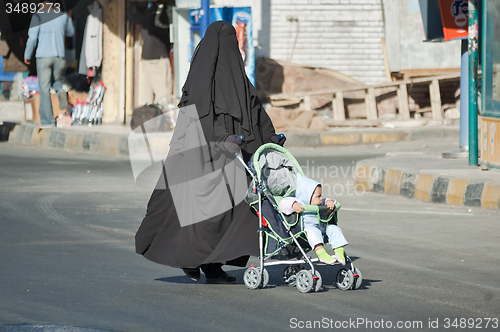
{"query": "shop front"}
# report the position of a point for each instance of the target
(87, 53)
(490, 110)
(109, 91)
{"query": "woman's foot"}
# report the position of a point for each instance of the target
(215, 275)
(193, 273)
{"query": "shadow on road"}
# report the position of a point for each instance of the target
(328, 275)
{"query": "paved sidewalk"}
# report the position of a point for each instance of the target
(107, 140)
(430, 178)
(115, 139)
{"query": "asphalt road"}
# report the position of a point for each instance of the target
(67, 258)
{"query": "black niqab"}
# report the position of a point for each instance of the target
(226, 104)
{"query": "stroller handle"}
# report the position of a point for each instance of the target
(240, 158)
(279, 136)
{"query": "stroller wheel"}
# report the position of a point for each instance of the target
(345, 279)
(265, 278)
(305, 281)
(318, 282)
(252, 278)
(358, 278)
(290, 275)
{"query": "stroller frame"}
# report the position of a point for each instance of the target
(348, 277)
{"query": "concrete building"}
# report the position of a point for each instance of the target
(344, 35)
(347, 36)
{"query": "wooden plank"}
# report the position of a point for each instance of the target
(306, 104)
(286, 102)
(435, 95)
(364, 87)
(404, 108)
(137, 64)
(371, 104)
(386, 61)
(338, 107)
(129, 72)
(352, 123)
(429, 72)
(439, 78)
(424, 110)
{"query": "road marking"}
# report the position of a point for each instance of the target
(110, 230)
(414, 212)
(45, 206)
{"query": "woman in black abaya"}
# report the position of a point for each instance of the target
(189, 223)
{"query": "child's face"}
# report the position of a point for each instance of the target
(316, 198)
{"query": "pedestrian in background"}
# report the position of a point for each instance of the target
(156, 82)
(47, 30)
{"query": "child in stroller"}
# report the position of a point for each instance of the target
(310, 192)
(283, 235)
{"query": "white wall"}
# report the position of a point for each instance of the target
(343, 35)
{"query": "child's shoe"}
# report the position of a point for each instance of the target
(324, 257)
(339, 255)
(338, 259)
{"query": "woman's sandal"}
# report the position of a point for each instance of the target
(193, 273)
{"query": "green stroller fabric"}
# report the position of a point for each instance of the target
(275, 176)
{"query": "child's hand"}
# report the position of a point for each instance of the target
(297, 207)
(330, 203)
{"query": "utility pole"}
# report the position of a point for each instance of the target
(473, 64)
(205, 17)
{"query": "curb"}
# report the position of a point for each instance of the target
(91, 142)
(425, 187)
(118, 144)
(69, 140)
(367, 136)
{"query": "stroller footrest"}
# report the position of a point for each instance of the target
(291, 262)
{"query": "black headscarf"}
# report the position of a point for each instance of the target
(217, 84)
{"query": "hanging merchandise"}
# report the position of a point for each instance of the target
(91, 53)
(89, 112)
(29, 86)
(93, 41)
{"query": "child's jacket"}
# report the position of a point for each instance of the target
(303, 193)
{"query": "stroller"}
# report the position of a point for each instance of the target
(282, 237)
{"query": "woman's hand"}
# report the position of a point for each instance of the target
(278, 139)
(232, 143)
